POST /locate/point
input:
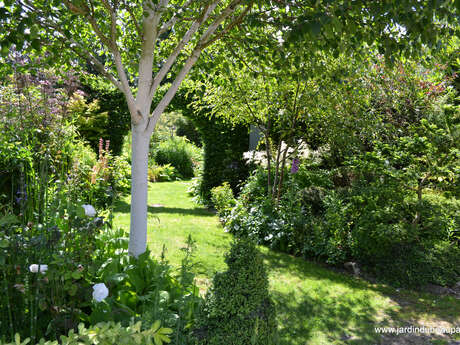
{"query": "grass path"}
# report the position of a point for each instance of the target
(315, 305)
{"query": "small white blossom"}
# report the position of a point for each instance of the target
(90, 211)
(268, 238)
(34, 268)
(100, 292)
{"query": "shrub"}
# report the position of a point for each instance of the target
(160, 173)
(238, 308)
(223, 200)
(372, 222)
(180, 154)
(79, 252)
(107, 333)
(56, 300)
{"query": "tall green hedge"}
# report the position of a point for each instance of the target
(223, 154)
(223, 143)
(118, 122)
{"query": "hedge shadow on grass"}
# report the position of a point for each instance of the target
(123, 207)
(342, 308)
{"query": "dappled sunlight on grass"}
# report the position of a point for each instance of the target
(315, 305)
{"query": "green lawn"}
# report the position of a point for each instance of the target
(315, 305)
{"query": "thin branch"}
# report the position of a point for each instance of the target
(149, 37)
(234, 23)
(172, 90)
(170, 23)
(189, 64)
(86, 12)
(183, 42)
(240, 59)
(51, 28)
(113, 23)
(134, 19)
(295, 97)
(213, 27)
(113, 48)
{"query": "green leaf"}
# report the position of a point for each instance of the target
(36, 44)
(156, 325)
(72, 290)
(9, 219)
(76, 275)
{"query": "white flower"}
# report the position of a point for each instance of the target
(100, 292)
(34, 268)
(268, 238)
(90, 211)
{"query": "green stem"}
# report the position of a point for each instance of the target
(10, 314)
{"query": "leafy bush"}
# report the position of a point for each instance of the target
(99, 179)
(143, 288)
(112, 110)
(238, 308)
(92, 124)
(57, 299)
(223, 200)
(180, 154)
(78, 253)
(107, 333)
(160, 173)
(378, 222)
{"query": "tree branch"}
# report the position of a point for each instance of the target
(52, 28)
(183, 42)
(149, 37)
(230, 26)
(189, 64)
(170, 23)
(134, 19)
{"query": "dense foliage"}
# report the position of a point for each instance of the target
(238, 308)
(62, 264)
(109, 333)
(180, 154)
(111, 109)
(382, 191)
(223, 146)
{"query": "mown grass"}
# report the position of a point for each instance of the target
(315, 305)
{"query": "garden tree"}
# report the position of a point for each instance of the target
(275, 105)
(137, 45)
(295, 83)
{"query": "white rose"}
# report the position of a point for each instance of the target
(90, 211)
(100, 292)
(34, 268)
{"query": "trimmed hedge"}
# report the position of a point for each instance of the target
(238, 309)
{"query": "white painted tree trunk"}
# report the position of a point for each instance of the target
(142, 119)
(139, 185)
